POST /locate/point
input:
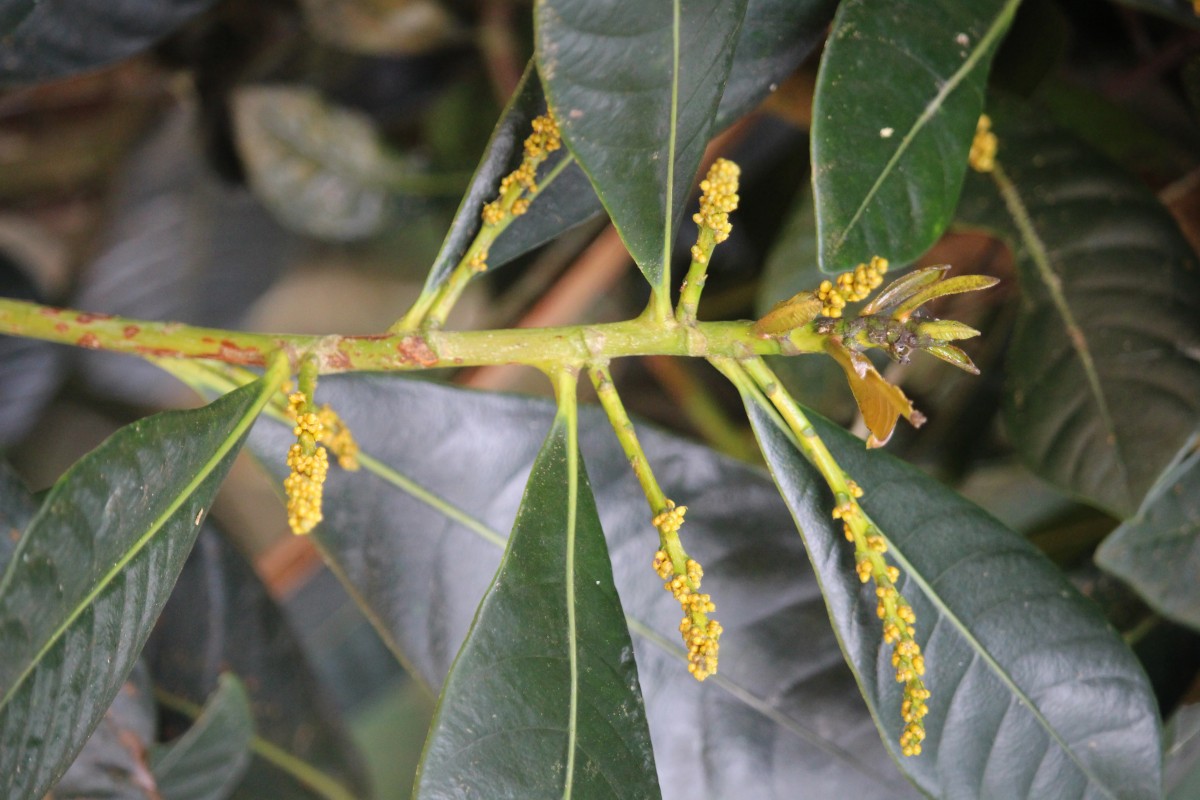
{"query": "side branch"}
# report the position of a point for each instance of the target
(405, 351)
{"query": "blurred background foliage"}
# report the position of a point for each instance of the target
(293, 165)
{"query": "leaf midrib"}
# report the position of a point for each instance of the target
(270, 382)
(994, 32)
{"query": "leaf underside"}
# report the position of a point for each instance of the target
(1104, 366)
(1033, 694)
(208, 761)
(783, 710)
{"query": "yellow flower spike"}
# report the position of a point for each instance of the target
(681, 577)
(982, 157)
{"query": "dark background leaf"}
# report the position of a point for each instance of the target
(212, 756)
(52, 38)
(783, 711)
(546, 676)
(112, 765)
(610, 78)
(1104, 376)
(17, 507)
(69, 633)
(30, 371)
(889, 155)
(1156, 551)
(220, 618)
(1033, 694)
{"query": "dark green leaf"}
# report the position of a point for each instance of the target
(112, 765)
(1181, 741)
(775, 38)
(1156, 551)
(91, 573)
(322, 170)
(783, 710)
(46, 39)
(208, 761)
(543, 698)
(635, 89)
(17, 507)
(1104, 368)
(1034, 694)
(889, 155)
(246, 633)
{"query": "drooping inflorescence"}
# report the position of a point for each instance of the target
(309, 463)
(982, 157)
(851, 287)
(899, 620)
(682, 577)
(315, 430)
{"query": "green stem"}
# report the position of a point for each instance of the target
(301, 770)
(627, 436)
(545, 348)
(693, 284)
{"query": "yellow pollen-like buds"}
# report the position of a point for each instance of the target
(305, 486)
(851, 287)
(337, 437)
(682, 577)
(982, 157)
(718, 198)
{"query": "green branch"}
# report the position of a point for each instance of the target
(545, 348)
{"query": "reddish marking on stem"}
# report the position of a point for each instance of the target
(338, 359)
(231, 353)
(62, 327)
(90, 341)
(131, 331)
(46, 311)
(414, 350)
(87, 317)
(165, 352)
(368, 337)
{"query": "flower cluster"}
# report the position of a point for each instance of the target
(897, 615)
(719, 197)
(309, 463)
(982, 157)
(337, 437)
(851, 287)
(682, 577)
(544, 140)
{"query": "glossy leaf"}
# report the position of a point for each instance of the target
(889, 155)
(208, 761)
(414, 536)
(17, 507)
(775, 38)
(635, 89)
(543, 698)
(91, 573)
(322, 170)
(1034, 695)
(46, 39)
(1104, 378)
(112, 765)
(246, 633)
(1156, 551)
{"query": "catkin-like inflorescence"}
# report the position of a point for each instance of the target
(682, 577)
(518, 185)
(897, 616)
(309, 464)
(337, 437)
(982, 157)
(718, 198)
(851, 287)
